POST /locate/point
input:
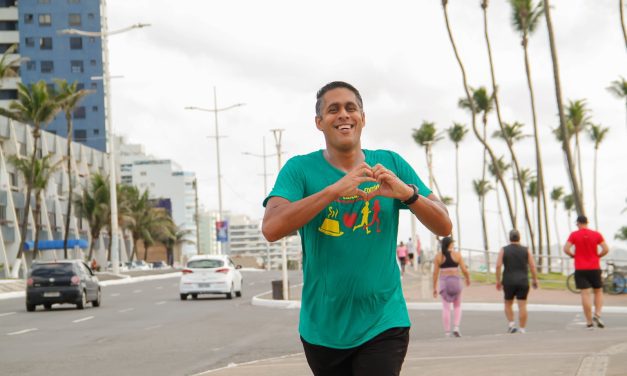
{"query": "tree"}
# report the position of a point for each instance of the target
(34, 107)
(597, 135)
(578, 198)
(69, 96)
(42, 170)
(556, 196)
(512, 133)
(92, 204)
(619, 89)
(426, 136)
(622, 20)
(482, 187)
(8, 64)
(578, 117)
(473, 111)
(456, 134)
(502, 166)
(569, 205)
(526, 15)
(621, 234)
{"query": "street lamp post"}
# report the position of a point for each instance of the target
(103, 35)
(265, 189)
(278, 133)
(215, 111)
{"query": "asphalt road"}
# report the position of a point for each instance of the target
(145, 329)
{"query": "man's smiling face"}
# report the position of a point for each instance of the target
(341, 119)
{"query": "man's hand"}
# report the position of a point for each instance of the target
(435, 293)
(499, 286)
(534, 284)
(390, 185)
(349, 184)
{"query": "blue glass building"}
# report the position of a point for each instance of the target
(75, 58)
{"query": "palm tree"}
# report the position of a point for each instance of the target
(474, 111)
(622, 20)
(578, 199)
(526, 15)
(9, 65)
(42, 170)
(92, 205)
(532, 192)
(556, 196)
(578, 115)
(456, 134)
(68, 95)
(621, 234)
(512, 133)
(619, 87)
(483, 104)
(426, 136)
(597, 135)
(503, 167)
(482, 187)
(569, 205)
(34, 107)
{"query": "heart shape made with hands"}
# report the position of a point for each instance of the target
(349, 219)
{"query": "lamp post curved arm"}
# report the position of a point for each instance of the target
(100, 34)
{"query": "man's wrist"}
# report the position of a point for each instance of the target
(413, 196)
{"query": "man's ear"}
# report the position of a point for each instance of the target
(318, 119)
(363, 118)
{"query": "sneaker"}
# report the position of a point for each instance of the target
(589, 326)
(522, 331)
(512, 330)
(456, 334)
(447, 334)
(597, 320)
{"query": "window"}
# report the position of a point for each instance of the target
(76, 66)
(80, 135)
(90, 16)
(76, 43)
(74, 19)
(8, 94)
(3, 212)
(79, 113)
(52, 218)
(45, 19)
(13, 178)
(94, 85)
(47, 66)
(31, 65)
(92, 62)
(28, 18)
(45, 43)
(96, 132)
(94, 109)
(29, 42)
(80, 86)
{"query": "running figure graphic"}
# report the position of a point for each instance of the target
(365, 211)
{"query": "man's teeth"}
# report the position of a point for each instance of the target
(344, 127)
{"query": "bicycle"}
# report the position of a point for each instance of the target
(613, 281)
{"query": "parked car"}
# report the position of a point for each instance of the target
(215, 274)
(139, 265)
(160, 265)
(65, 281)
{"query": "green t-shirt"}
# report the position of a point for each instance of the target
(352, 286)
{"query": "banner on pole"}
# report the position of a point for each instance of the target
(222, 231)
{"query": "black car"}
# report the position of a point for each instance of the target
(65, 281)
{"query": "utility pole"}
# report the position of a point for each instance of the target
(278, 133)
(196, 216)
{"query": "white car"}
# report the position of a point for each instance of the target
(215, 274)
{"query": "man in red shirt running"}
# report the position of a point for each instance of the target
(588, 268)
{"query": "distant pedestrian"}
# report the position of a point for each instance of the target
(588, 268)
(410, 252)
(401, 254)
(516, 261)
(418, 250)
(446, 266)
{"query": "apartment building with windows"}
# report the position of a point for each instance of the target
(50, 55)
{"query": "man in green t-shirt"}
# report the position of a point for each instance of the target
(345, 202)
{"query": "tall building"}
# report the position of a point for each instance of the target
(34, 25)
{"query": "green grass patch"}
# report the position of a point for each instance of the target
(549, 281)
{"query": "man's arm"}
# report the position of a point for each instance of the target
(436, 273)
(567, 247)
(283, 217)
(534, 272)
(430, 212)
(604, 249)
(499, 265)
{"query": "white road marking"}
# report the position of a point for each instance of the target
(161, 302)
(22, 331)
(7, 314)
(595, 365)
(125, 310)
(83, 319)
(136, 291)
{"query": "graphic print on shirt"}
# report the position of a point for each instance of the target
(330, 225)
(368, 215)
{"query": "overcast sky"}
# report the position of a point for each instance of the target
(274, 55)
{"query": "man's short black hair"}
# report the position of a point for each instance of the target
(514, 236)
(582, 219)
(335, 85)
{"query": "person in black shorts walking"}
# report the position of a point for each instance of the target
(516, 261)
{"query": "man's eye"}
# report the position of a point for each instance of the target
(332, 110)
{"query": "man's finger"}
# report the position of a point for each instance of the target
(362, 194)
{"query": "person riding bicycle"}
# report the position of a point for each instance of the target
(588, 268)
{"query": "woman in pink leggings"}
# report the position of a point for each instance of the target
(446, 276)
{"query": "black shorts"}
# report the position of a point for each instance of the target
(381, 356)
(519, 291)
(585, 279)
